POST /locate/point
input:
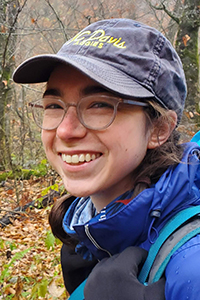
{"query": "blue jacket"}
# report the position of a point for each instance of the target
(139, 221)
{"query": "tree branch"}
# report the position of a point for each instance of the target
(10, 33)
(169, 13)
(13, 212)
(58, 19)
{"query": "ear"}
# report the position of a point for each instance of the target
(162, 129)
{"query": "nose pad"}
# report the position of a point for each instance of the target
(71, 127)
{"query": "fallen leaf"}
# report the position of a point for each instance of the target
(54, 290)
(18, 289)
(3, 29)
(191, 114)
(185, 39)
(5, 82)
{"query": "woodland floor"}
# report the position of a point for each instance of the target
(29, 254)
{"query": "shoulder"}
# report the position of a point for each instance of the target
(183, 272)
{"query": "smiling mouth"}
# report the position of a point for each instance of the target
(79, 158)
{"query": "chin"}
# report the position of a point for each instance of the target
(72, 189)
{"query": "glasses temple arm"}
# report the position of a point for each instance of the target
(134, 102)
(36, 105)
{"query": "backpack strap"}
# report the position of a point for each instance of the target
(173, 243)
(196, 138)
(78, 293)
(165, 236)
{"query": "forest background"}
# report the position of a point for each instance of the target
(29, 254)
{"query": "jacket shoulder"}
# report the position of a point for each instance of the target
(183, 272)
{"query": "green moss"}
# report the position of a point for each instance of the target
(22, 174)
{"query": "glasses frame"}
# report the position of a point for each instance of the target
(116, 102)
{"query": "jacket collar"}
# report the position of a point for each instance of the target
(137, 222)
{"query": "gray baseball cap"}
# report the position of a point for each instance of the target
(125, 56)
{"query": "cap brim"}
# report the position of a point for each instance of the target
(39, 68)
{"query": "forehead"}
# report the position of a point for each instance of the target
(65, 74)
(67, 79)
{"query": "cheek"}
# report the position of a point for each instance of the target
(48, 140)
(134, 140)
(44, 137)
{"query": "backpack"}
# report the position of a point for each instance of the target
(179, 229)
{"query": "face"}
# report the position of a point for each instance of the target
(109, 157)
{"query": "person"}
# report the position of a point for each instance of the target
(114, 97)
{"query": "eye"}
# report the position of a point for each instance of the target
(50, 103)
(100, 104)
(53, 106)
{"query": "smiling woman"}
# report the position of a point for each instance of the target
(115, 94)
(113, 147)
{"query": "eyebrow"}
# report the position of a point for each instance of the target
(52, 92)
(88, 90)
(94, 89)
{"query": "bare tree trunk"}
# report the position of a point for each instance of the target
(186, 14)
(9, 12)
(3, 82)
(187, 47)
(173, 25)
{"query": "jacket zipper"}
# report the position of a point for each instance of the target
(90, 237)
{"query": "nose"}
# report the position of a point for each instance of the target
(70, 127)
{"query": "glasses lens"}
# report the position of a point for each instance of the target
(48, 113)
(97, 112)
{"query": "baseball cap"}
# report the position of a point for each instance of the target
(125, 56)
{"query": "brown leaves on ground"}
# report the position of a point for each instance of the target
(29, 254)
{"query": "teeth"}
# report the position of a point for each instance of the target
(87, 157)
(82, 158)
(75, 159)
(68, 159)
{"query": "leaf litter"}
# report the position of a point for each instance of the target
(29, 253)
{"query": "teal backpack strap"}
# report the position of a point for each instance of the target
(196, 138)
(78, 293)
(171, 245)
(174, 223)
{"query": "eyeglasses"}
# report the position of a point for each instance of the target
(95, 112)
